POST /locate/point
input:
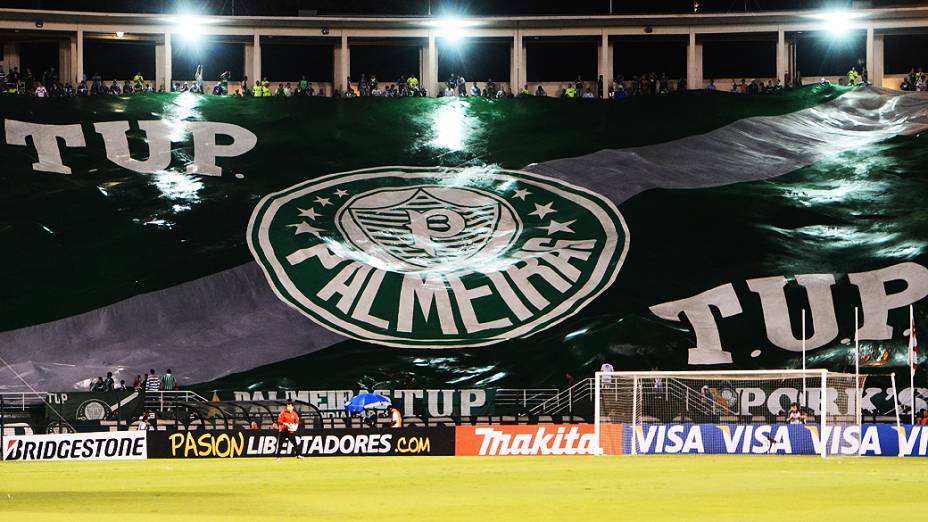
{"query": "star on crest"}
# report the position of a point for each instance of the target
(341, 193)
(323, 201)
(521, 193)
(542, 210)
(555, 226)
(311, 213)
(305, 228)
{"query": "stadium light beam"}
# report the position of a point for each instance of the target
(188, 26)
(451, 29)
(837, 23)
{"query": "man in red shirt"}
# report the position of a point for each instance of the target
(289, 421)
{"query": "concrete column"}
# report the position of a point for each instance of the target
(249, 51)
(344, 60)
(523, 78)
(878, 68)
(874, 57)
(167, 62)
(64, 60)
(79, 56)
(516, 74)
(431, 81)
(782, 58)
(605, 64)
(256, 60)
(72, 76)
(158, 80)
(693, 64)
(11, 55)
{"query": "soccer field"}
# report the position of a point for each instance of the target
(466, 488)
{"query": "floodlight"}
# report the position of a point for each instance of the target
(188, 26)
(837, 23)
(451, 29)
(120, 34)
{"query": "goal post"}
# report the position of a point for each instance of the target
(777, 412)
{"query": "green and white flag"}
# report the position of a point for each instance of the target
(316, 243)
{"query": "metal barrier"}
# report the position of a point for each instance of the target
(564, 400)
(162, 400)
(523, 399)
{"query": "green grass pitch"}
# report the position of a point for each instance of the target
(467, 488)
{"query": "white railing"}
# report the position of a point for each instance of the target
(565, 399)
(524, 398)
(159, 400)
(21, 400)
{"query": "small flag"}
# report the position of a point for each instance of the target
(913, 342)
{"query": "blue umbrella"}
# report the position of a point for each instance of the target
(367, 401)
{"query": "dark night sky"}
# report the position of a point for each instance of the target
(419, 7)
(476, 59)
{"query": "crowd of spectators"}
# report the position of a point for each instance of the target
(149, 383)
(48, 84)
(915, 81)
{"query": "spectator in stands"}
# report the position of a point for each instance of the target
(588, 93)
(198, 80)
(122, 385)
(2, 78)
(540, 91)
(144, 422)
(217, 90)
(795, 415)
(245, 90)
(922, 417)
(97, 385)
(138, 384)
(462, 86)
(109, 384)
(711, 86)
(491, 88)
(224, 82)
(396, 417)
(41, 92)
(152, 383)
(168, 383)
(606, 367)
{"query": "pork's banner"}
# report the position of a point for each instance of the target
(308, 243)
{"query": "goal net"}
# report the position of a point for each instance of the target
(776, 412)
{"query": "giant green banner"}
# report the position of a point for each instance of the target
(294, 243)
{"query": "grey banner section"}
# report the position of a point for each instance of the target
(232, 321)
(750, 149)
(204, 329)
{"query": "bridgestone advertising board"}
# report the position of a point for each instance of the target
(121, 445)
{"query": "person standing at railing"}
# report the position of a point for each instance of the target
(168, 383)
(152, 383)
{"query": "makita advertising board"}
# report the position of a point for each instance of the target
(549, 439)
(116, 445)
(319, 443)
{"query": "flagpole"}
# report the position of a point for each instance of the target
(912, 361)
(857, 364)
(803, 401)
